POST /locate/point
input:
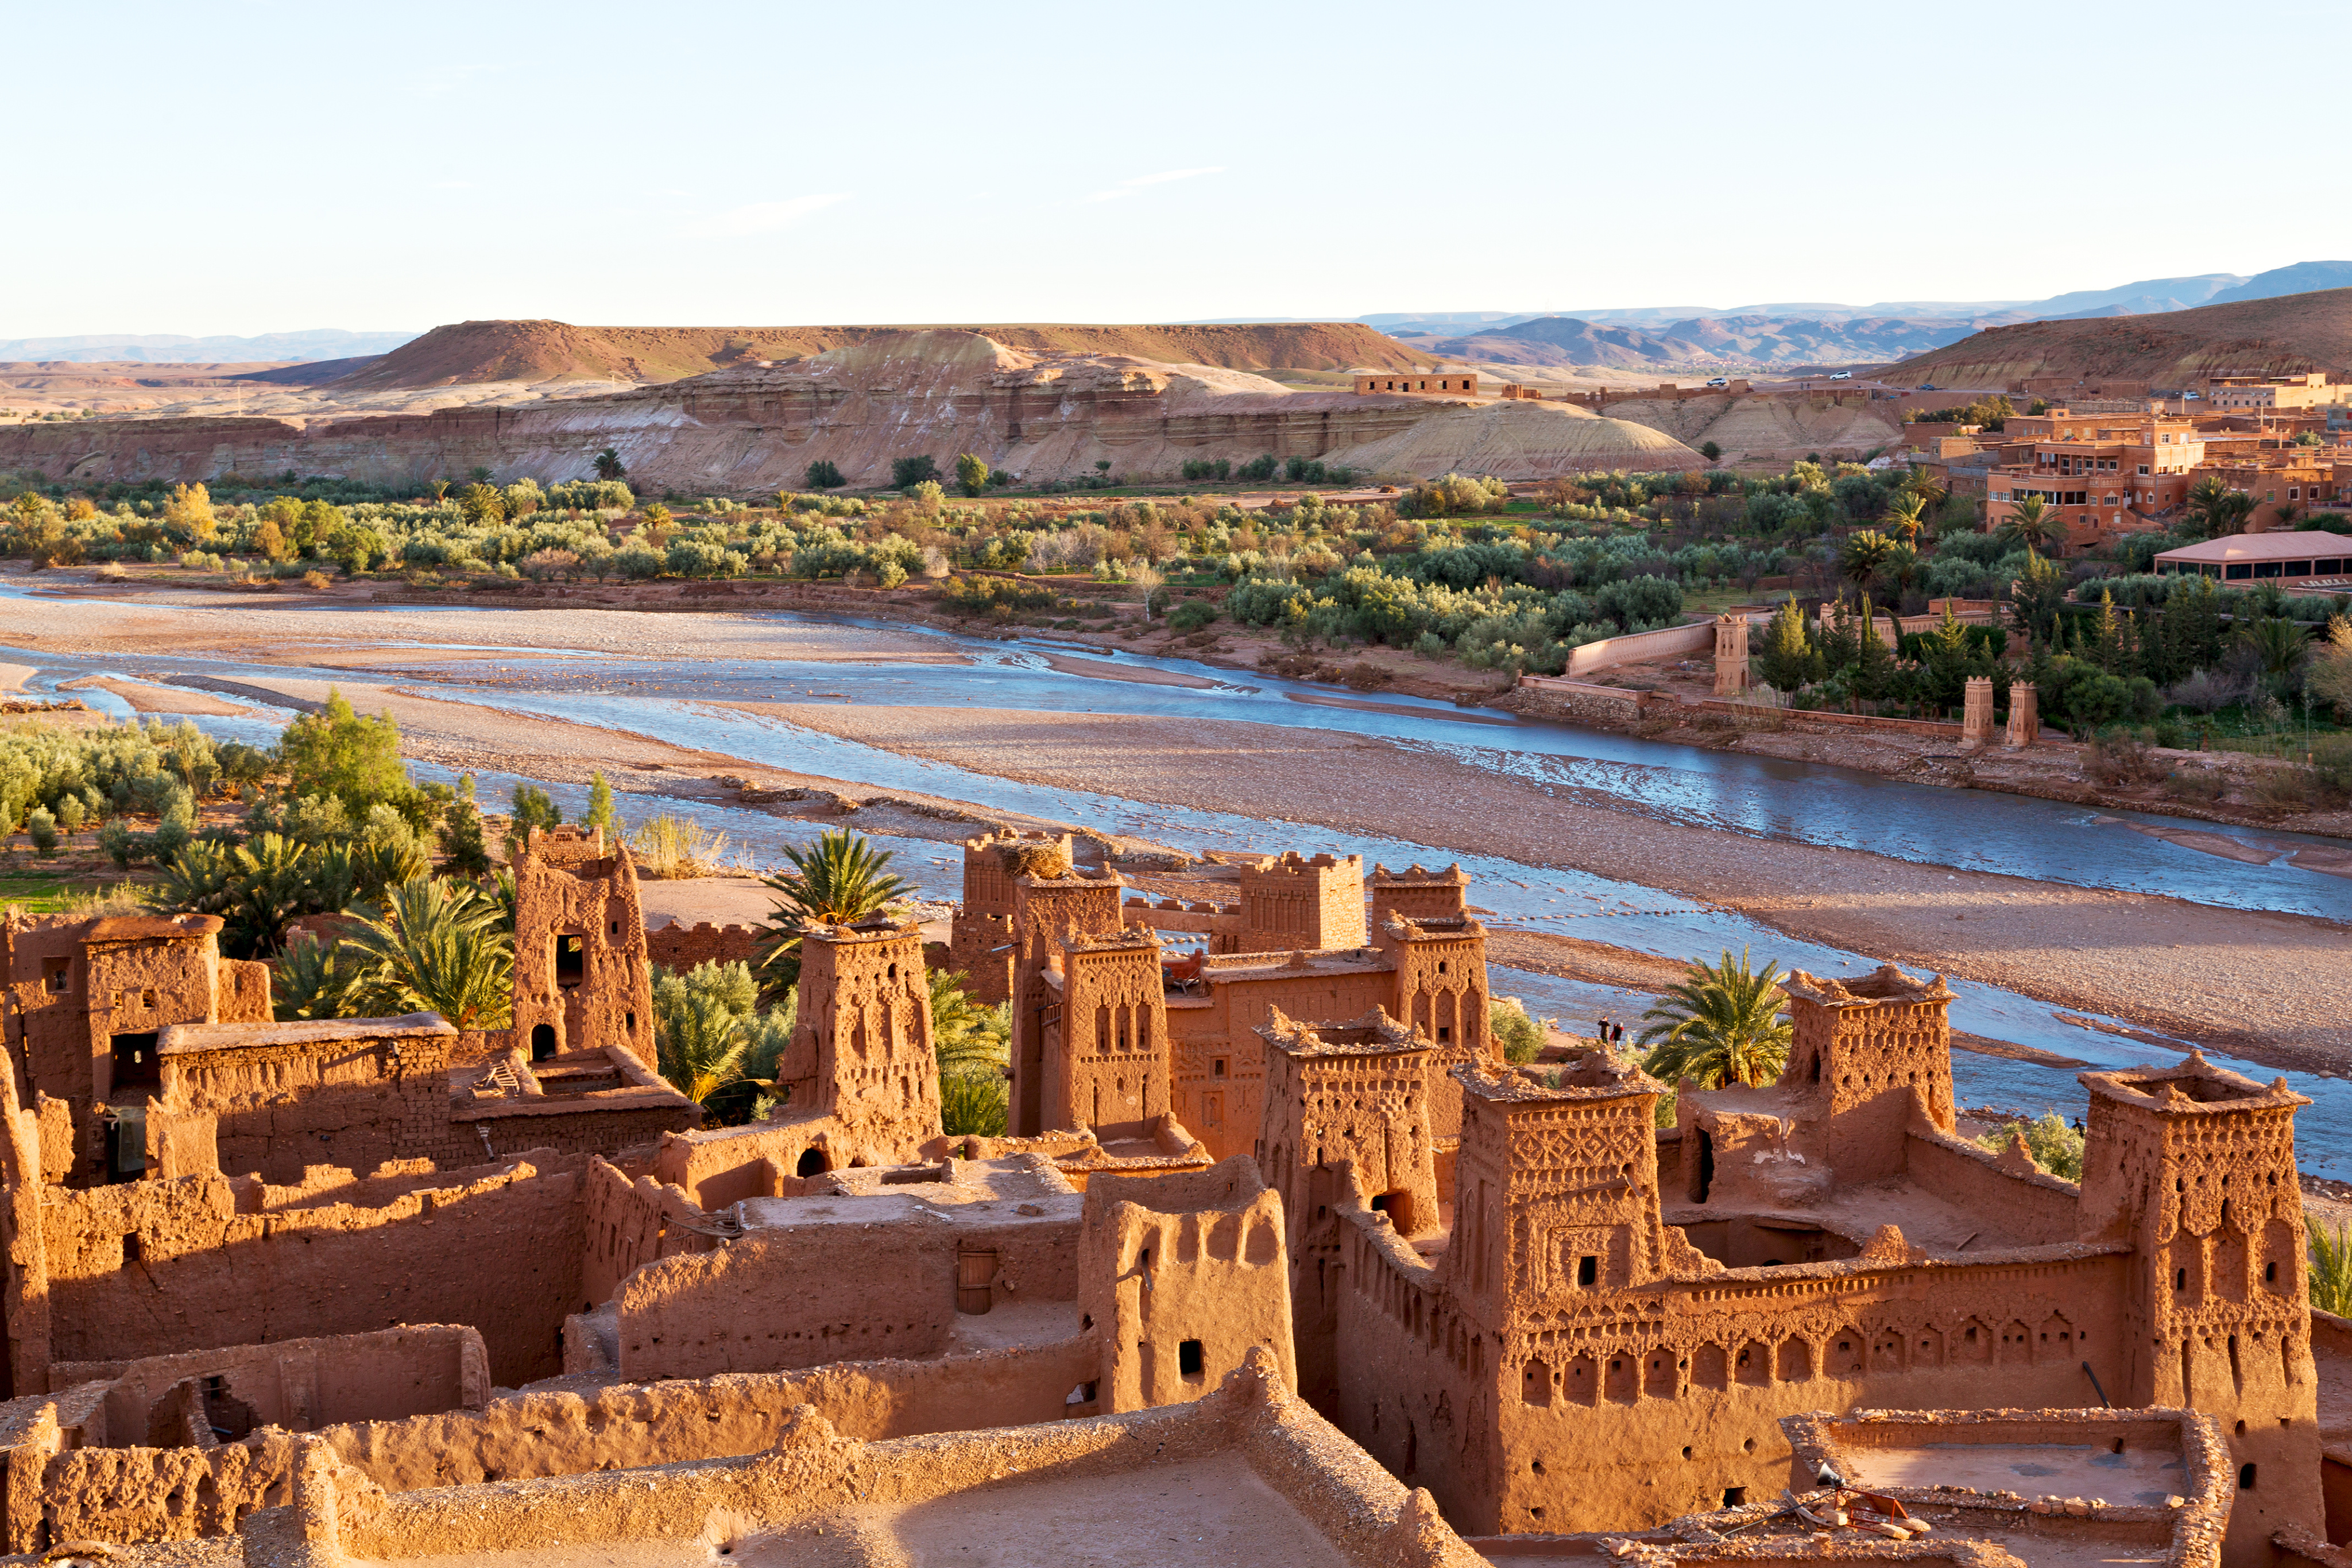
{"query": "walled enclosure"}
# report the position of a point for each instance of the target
(1572, 1358)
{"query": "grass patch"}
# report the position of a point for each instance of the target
(40, 894)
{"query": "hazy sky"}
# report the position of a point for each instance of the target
(241, 168)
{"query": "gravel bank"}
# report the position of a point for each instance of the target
(2265, 987)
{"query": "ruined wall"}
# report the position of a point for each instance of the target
(876, 1279)
(861, 1048)
(628, 1223)
(1183, 1275)
(682, 947)
(300, 1384)
(354, 1092)
(610, 1123)
(2035, 1208)
(132, 1494)
(1415, 1380)
(640, 1423)
(582, 978)
(159, 1267)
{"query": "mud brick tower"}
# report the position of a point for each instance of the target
(581, 978)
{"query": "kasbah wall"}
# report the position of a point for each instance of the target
(1297, 1150)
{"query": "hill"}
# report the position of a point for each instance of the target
(556, 350)
(2278, 336)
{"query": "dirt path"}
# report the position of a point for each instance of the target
(2265, 987)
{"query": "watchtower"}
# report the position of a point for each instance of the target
(1441, 990)
(861, 1046)
(582, 976)
(1865, 1046)
(1556, 1190)
(1352, 1098)
(1105, 1036)
(982, 943)
(1047, 910)
(1289, 902)
(1730, 653)
(2195, 1167)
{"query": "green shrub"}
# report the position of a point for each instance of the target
(906, 472)
(43, 828)
(1520, 1036)
(824, 474)
(1192, 615)
(2056, 1147)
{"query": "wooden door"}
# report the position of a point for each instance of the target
(974, 1270)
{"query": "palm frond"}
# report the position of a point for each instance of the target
(1721, 1021)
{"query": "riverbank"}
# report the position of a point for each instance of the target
(2262, 986)
(292, 625)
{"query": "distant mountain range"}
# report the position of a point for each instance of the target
(1790, 334)
(164, 348)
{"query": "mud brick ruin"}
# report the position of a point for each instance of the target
(1274, 1227)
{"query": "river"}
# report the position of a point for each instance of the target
(1726, 791)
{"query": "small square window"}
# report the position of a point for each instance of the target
(1189, 1360)
(1217, 1067)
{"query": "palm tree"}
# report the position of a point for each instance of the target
(701, 1044)
(839, 879)
(1924, 487)
(1907, 515)
(609, 465)
(2032, 525)
(273, 881)
(966, 1037)
(197, 881)
(437, 946)
(310, 979)
(1721, 1023)
(1864, 554)
(2218, 508)
(2331, 1265)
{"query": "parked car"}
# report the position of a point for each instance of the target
(1926, 386)
(1720, 382)
(1842, 375)
(2192, 397)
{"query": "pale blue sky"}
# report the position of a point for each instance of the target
(259, 166)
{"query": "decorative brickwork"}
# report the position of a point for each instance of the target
(582, 976)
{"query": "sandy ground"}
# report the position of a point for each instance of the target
(144, 698)
(2266, 987)
(169, 621)
(720, 900)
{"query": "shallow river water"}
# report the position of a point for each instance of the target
(1727, 791)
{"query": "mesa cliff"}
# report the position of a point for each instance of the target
(536, 351)
(757, 427)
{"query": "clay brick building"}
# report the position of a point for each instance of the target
(86, 1004)
(583, 978)
(1617, 1320)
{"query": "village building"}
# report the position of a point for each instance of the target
(2293, 560)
